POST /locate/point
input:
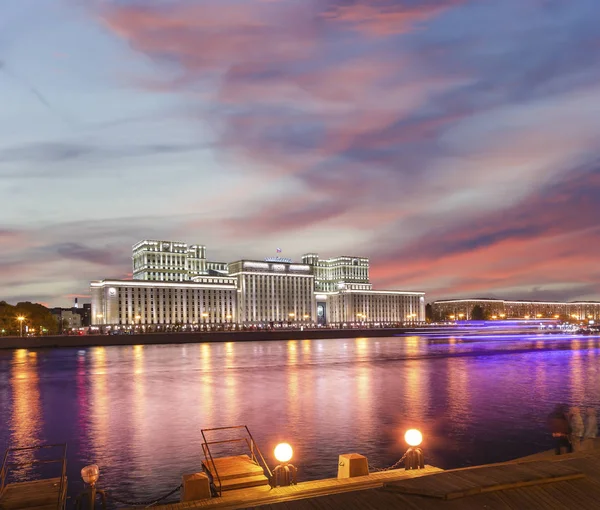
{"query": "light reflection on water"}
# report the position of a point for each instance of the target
(137, 411)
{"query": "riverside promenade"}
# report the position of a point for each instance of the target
(542, 481)
(198, 337)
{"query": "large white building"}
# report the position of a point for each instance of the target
(174, 284)
(274, 292)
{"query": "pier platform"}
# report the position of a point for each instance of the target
(556, 481)
(265, 495)
(38, 494)
(541, 481)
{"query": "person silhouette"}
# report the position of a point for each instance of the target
(560, 429)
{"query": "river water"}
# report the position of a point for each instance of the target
(137, 411)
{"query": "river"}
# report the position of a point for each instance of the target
(137, 411)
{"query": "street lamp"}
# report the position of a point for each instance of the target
(204, 316)
(285, 473)
(90, 475)
(414, 455)
(20, 319)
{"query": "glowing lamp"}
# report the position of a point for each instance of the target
(90, 474)
(283, 452)
(413, 437)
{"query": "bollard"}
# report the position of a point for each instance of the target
(194, 487)
(351, 465)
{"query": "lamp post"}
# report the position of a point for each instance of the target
(20, 319)
(90, 475)
(204, 317)
(285, 473)
(414, 454)
(292, 316)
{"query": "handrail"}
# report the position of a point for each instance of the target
(6, 465)
(266, 466)
(62, 491)
(3, 471)
(226, 428)
(251, 444)
(228, 441)
(212, 460)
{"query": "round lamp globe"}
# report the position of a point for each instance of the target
(283, 452)
(90, 474)
(413, 437)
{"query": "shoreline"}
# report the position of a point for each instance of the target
(71, 341)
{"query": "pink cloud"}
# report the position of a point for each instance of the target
(381, 19)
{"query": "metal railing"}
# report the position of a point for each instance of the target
(250, 443)
(8, 464)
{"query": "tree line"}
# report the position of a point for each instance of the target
(36, 317)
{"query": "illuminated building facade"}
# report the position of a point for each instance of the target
(207, 300)
(338, 273)
(172, 261)
(379, 307)
(274, 292)
(174, 284)
(457, 309)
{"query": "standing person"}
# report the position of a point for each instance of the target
(590, 429)
(576, 425)
(559, 427)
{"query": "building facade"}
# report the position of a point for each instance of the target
(274, 293)
(338, 273)
(172, 261)
(127, 303)
(462, 309)
(380, 308)
(174, 284)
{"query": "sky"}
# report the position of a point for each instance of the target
(456, 143)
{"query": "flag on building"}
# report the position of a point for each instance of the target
(278, 250)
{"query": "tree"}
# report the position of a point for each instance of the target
(478, 313)
(37, 318)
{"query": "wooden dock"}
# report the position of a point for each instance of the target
(39, 494)
(541, 481)
(262, 495)
(557, 482)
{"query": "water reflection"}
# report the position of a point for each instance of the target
(139, 409)
(576, 373)
(459, 393)
(140, 429)
(229, 401)
(26, 418)
(99, 405)
(206, 383)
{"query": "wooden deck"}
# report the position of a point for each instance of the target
(556, 482)
(256, 496)
(39, 494)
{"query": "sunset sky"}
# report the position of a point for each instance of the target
(456, 143)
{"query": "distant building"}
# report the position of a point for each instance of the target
(456, 309)
(174, 283)
(74, 317)
(67, 318)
